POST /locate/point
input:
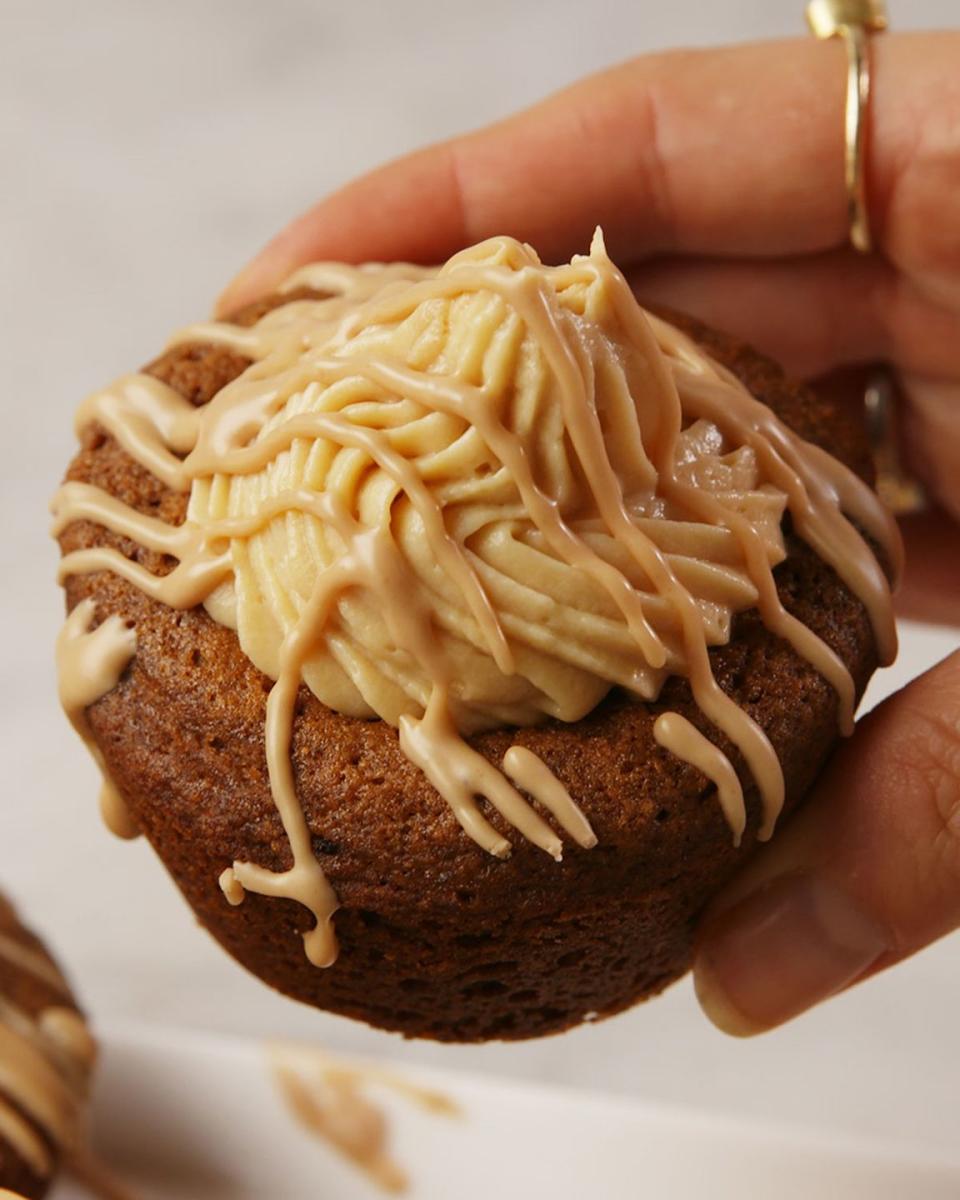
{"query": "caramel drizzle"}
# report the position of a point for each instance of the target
(819, 490)
(675, 733)
(245, 428)
(328, 1098)
(90, 662)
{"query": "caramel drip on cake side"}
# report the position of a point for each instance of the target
(675, 733)
(567, 493)
(90, 661)
(45, 1062)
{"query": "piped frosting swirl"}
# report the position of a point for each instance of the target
(435, 430)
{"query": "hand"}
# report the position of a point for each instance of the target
(718, 179)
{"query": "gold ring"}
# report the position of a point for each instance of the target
(854, 21)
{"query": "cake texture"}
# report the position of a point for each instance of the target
(438, 937)
(46, 1055)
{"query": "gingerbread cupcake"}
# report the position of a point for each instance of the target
(46, 1058)
(453, 635)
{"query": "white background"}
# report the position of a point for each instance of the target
(147, 149)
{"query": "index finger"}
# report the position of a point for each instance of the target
(730, 151)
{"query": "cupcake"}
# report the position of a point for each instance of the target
(454, 634)
(46, 1057)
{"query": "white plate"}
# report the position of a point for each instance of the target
(192, 1117)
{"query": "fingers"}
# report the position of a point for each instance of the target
(930, 589)
(867, 873)
(731, 151)
(931, 435)
(631, 149)
(812, 314)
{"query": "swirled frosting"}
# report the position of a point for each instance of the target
(475, 496)
(452, 388)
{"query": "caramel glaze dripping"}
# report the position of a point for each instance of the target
(675, 733)
(245, 429)
(90, 662)
(329, 1098)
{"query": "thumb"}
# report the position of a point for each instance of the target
(867, 873)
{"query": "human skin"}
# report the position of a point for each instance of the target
(718, 179)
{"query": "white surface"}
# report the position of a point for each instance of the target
(199, 1118)
(147, 150)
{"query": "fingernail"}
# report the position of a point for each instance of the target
(786, 947)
